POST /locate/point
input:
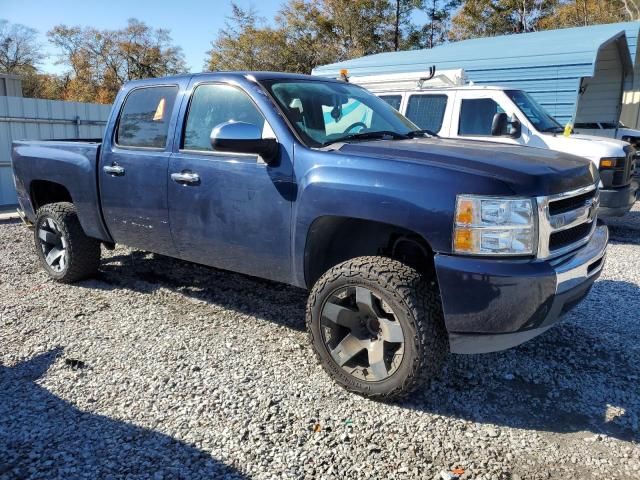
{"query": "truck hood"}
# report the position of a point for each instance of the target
(588, 146)
(527, 171)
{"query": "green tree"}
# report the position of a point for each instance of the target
(578, 13)
(482, 18)
(245, 44)
(631, 9)
(307, 33)
(436, 29)
(402, 19)
(360, 27)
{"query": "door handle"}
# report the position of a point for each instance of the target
(115, 170)
(186, 178)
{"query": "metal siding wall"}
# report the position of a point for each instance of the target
(600, 101)
(42, 119)
(630, 115)
(549, 64)
(10, 86)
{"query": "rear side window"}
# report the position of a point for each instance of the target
(144, 120)
(212, 105)
(476, 116)
(393, 100)
(427, 111)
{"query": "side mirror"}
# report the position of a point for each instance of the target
(516, 128)
(242, 137)
(499, 124)
(502, 126)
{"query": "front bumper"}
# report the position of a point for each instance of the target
(491, 305)
(616, 202)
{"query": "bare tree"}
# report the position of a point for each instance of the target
(20, 51)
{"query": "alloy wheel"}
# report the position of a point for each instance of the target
(362, 333)
(53, 244)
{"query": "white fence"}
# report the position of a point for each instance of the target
(35, 119)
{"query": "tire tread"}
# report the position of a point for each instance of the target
(83, 251)
(421, 297)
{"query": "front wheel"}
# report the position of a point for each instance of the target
(377, 327)
(65, 252)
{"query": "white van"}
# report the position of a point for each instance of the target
(446, 104)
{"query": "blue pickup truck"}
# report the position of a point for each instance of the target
(411, 246)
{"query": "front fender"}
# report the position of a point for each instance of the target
(419, 198)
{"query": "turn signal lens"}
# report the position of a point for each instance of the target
(464, 212)
(608, 162)
(463, 240)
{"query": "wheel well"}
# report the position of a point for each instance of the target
(44, 192)
(332, 240)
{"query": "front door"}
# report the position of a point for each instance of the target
(475, 112)
(133, 170)
(229, 210)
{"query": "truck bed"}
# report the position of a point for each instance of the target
(57, 161)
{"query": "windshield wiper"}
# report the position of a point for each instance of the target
(413, 133)
(368, 136)
(557, 129)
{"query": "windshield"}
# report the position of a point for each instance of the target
(326, 112)
(537, 115)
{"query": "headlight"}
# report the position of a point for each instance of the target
(494, 226)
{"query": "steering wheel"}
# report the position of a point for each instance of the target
(354, 125)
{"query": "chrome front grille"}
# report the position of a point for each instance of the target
(566, 221)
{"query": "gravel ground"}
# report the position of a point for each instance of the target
(164, 369)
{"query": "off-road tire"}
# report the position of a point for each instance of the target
(416, 303)
(82, 252)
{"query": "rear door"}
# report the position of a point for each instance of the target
(133, 169)
(229, 210)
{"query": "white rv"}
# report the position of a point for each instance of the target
(446, 104)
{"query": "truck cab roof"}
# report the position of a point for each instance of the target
(257, 75)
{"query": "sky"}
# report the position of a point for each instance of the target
(193, 23)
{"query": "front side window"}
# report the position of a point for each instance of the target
(324, 112)
(144, 120)
(535, 113)
(427, 111)
(476, 116)
(213, 104)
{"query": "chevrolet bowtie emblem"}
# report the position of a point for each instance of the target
(588, 210)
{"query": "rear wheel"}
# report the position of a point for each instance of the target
(65, 252)
(376, 325)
